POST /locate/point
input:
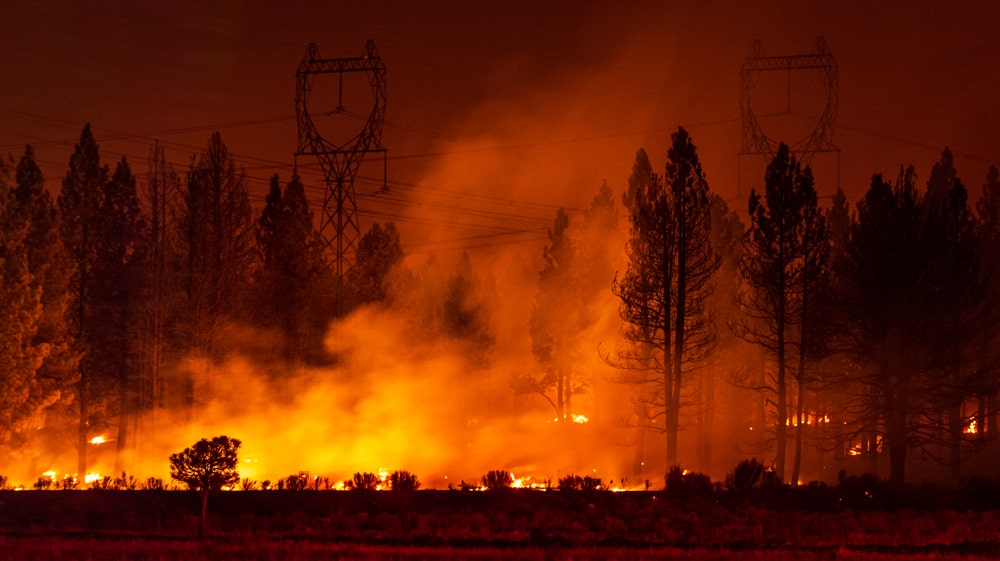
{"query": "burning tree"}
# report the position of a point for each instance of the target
(208, 465)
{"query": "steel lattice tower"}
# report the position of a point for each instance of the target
(755, 140)
(339, 229)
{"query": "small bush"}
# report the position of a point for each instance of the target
(247, 484)
(497, 479)
(402, 480)
(153, 484)
(752, 474)
(363, 482)
(106, 483)
(577, 483)
(687, 484)
(570, 483)
(295, 482)
(126, 482)
(67, 483)
(42, 484)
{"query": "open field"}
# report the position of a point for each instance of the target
(499, 525)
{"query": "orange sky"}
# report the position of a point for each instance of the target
(498, 110)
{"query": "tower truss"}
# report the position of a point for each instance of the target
(339, 228)
(755, 140)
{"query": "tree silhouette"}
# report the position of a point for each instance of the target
(785, 252)
(665, 289)
(986, 382)
(217, 241)
(554, 322)
(117, 279)
(894, 331)
(206, 466)
(79, 205)
(291, 268)
(379, 252)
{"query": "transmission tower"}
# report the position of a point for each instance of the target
(340, 163)
(755, 139)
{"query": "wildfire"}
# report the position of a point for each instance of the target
(972, 427)
(576, 418)
(91, 477)
(98, 440)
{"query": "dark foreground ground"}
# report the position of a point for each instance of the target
(803, 524)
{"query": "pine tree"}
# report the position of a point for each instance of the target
(79, 203)
(986, 383)
(22, 396)
(912, 286)
(291, 268)
(665, 289)
(217, 242)
(785, 252)
(32, 208)
(378, 253)
(118, 289)
(554, 322)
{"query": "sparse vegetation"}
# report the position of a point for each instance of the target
(578, 483)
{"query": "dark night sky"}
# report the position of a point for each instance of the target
(499, 110)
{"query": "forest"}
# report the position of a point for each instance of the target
(822, 337)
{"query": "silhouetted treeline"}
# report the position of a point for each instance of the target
(875, 327)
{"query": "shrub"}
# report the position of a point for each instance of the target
(153, 484)
(295, 482)
(105, 483)
(752, 474)
(570, 483)
(126, 482)
(42, 483)
(577, 483)
(67, 483)
(687, 484)
(248, 484)
(402, 480)
(497, 479)
(363, 482)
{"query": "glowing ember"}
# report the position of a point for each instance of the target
(580, 419)
(972, 427)
(98, 440)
